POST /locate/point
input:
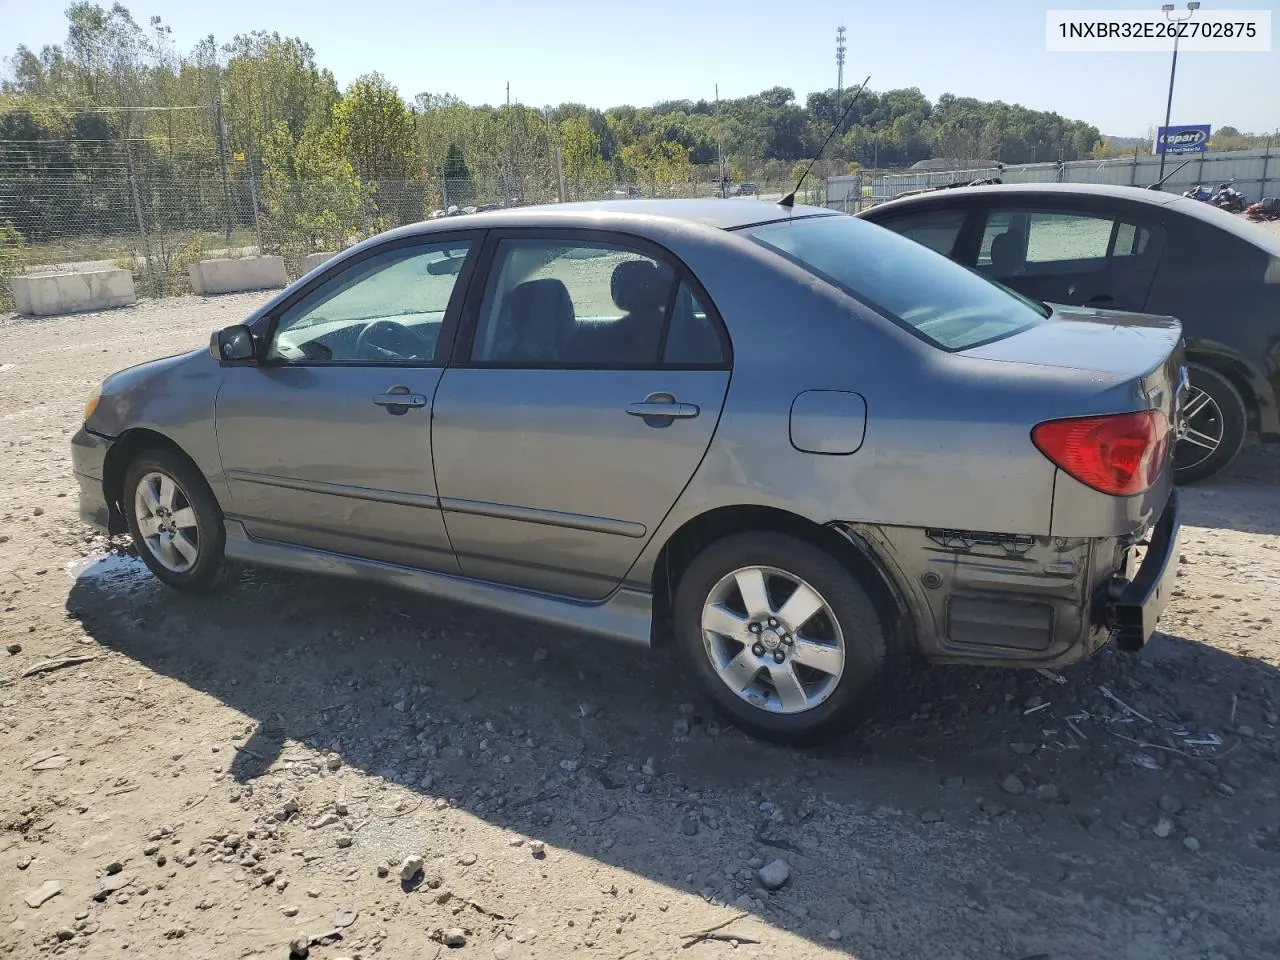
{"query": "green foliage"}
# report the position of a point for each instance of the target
(11, 259)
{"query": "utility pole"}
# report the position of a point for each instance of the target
(840, 48)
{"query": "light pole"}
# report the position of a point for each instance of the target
(1168, 8)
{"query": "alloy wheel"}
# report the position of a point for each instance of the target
(167, 522)
(773, 639)
(1200, 430)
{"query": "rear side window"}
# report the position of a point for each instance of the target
(1017, 240)
(940, 301)
(935, 229)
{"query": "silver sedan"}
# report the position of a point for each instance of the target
(795, 444)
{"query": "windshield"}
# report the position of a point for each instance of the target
(932, 296)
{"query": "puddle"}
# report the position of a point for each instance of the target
(112, 571)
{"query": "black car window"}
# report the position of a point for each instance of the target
(552, 303)
(1022, 242)
(935, 229)
(386, 308)
(692, 338)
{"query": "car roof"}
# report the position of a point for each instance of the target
(1185, 206)
(708, 211)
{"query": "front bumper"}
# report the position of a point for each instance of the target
(88, 461)
(1136, 604)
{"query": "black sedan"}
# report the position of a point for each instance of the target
(1126, 248)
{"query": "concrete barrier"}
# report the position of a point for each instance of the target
(50, 294)
(313, 260)
(231, 276)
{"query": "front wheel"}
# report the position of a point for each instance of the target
(175, 522)
(1214, 423)
(783, 638)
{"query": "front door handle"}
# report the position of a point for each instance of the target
(660, 409)
(398, 400)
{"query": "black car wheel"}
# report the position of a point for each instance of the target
(1214, 422)
(785, 641)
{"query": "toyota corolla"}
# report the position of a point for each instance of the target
(793, 443)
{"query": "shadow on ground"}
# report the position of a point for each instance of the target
(905, 835)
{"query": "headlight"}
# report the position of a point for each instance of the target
(92, 403)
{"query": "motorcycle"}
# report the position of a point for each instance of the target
(1198, 192)
(1268, 208)
(1228, 198)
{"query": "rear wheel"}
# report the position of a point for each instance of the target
(782, 637)
(175, 522)
(1214, 423)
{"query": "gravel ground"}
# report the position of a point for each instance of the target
(227, 777)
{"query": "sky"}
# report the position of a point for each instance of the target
(603, 54)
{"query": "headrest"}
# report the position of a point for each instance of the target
(639, 285)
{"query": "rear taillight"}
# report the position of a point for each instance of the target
(1121, 454)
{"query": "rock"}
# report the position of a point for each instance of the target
(834, 934)
(468, 859)
(455, 937)
(1047, 792)
(411, 868)
(111, 885)
(539, 655)
(114, 867)
(931, 816)
(689, 826)
(1191, 844)
(1226, 789)
(570, 765)
(1023, 749)
(774, 875)
(300, 948)
(1271, 717)
(1163, 828)
(1011, 784)
(14, 649)
(43, 894)
(289, 911)
(755, 863)
(1245, 730)
(538, 848)
(993, 808)
(327, 820)
(25, 861)
(681, 727)
(342, 841)
(1170, 804)
(333, 762)
(383, 871)
(649, 768)
(1033, 702)
(64, 934)
(38, 511)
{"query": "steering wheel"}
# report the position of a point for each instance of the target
(388, 340)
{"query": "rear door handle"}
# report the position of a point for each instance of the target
(1102, 298)
(659, 409)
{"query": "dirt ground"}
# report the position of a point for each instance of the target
(220, 777)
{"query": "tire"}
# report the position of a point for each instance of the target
(847, 621)
(174, 486)
(1216, 412)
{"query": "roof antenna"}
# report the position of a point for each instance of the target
(789, 200)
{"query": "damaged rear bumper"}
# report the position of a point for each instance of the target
(1017, 600)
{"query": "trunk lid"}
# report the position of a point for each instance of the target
(1121, 347)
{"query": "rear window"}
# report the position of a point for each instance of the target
(935, 298)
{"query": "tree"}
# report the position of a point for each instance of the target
(580, 153)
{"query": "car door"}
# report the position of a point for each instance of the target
(326, 442)
(1080, 255)
(585, 389)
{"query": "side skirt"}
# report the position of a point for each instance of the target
(626, 615)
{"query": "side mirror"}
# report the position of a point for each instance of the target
(233, 345)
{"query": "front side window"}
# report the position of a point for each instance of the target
(387, 308)
(944, 303)
(552, 303)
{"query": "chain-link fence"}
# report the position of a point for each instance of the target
(75, 206)
(1255, 173)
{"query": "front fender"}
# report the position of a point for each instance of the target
(1259, 393)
